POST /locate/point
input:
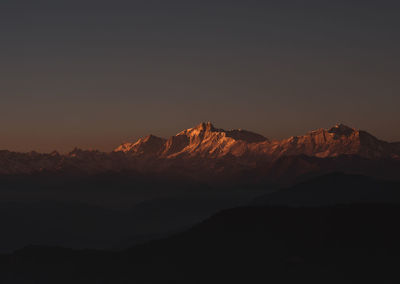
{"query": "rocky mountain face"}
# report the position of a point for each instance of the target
(207, 153)
(339, 140)
(205, 140)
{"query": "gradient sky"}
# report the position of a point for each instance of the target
(95, 73)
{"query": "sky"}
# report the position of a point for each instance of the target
(92, 74)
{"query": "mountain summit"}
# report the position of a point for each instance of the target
(148, 145)
(341, 129)
(202, 140)
(205, 140)
(336, 141)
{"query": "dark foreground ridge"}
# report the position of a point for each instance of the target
(335, 228)
(340, 244)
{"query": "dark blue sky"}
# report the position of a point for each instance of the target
(94, 73)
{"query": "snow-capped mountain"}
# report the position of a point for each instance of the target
(205, 140)
(336, 141)
(207, 153)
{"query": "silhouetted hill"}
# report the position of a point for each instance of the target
(104, 211)
(332, 229)
(341, 244)
(334, 189)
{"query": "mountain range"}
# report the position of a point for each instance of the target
(205, 140)
(207, 153)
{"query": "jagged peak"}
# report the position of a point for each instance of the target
(338, 129)
(152, 137)
(146, 139)
(207, 126)
(341, 125)
(200, 128)
(341, 128)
